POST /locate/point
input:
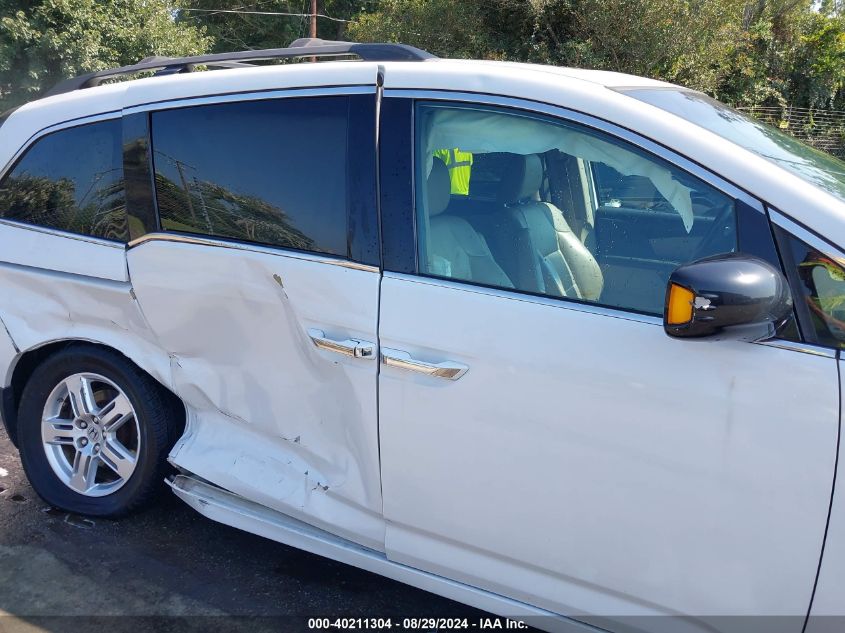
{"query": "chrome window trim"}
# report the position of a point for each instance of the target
(586, 120)
(561, 302)
(797, 346)
(55, 127)
(278, 251)
(251, 95)
(99, 241)
(806, 236)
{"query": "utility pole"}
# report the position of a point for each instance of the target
(313, 30)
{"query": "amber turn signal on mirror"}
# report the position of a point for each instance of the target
(708, 295)
(679, 305)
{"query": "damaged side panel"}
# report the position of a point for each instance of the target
(48, 306)
(85, 295)
(8, 352)
(272, 417)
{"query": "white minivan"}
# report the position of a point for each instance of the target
(556, 343)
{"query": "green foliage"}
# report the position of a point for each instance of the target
(232, 31)
(44, 41)
(745, 52)
(817, 73)
(681, 40)
(239, 25)
(443, 27)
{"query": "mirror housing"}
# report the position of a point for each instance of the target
(732, 289)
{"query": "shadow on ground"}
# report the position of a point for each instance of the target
(172, 569)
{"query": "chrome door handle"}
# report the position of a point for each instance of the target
(348, 347)
(403, 360)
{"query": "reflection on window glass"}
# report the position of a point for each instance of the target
(822, 284)
(813, 165)
(272, 172)
(551, 208)
(71, 180)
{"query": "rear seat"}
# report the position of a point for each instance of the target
(455, 248)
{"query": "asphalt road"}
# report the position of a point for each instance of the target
(173, 569)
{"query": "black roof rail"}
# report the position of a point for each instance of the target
(304, 47)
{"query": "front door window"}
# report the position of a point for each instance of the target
(527, 203)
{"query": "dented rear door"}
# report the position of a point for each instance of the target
(262, 285)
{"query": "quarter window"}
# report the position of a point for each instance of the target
(71, 180)
(533, 204)
(818, 285)
(270, 171)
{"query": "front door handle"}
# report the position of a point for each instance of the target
(347, 347)
(403, 360)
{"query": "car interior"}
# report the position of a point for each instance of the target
(558, 225)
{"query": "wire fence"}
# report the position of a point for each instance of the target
(823, 129)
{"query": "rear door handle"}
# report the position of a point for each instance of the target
(347, 347)
(403, 360)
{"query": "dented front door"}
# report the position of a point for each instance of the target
(272, 347)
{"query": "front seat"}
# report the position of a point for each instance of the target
(455, 249)
(568, 268)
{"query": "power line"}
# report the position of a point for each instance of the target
(278, 13)
(255, 5)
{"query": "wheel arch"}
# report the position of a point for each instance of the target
(28, 360)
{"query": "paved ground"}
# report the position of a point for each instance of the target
(170, 561)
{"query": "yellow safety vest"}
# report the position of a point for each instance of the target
(460, 168)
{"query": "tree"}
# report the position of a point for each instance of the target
(44, 41)
(817, 69)
(444, 27)
(678, 40)
(745, 52)
(242, 29)
(240, 25)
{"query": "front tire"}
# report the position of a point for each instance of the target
(93, 431)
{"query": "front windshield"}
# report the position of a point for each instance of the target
(813, 165)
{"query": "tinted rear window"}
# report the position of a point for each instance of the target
(272, 172)
(71, 180)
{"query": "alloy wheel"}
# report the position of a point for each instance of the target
(90, 434)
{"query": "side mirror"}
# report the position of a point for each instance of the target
(733, 289)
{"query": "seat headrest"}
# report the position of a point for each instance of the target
(439, 187)
(522, 178)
